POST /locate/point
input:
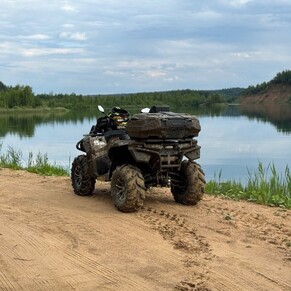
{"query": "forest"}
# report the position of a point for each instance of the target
(21, 96)
(282, 78)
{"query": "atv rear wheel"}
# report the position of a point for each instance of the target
(188, 184)
(83, 184)
(127, 188)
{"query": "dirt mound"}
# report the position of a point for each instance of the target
(278, 93)
(51, 239)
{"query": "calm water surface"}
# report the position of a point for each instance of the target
(233, 139)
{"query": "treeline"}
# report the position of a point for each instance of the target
(175, 98)
(18, 96)
(23, 96)
(230, 94)
(283, 78)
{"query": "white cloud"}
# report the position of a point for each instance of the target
(78, 36)
(36, 52)
(241, 55)
(6, 46)
(69, 7)
(156, 74)
(239, 2)
(68, 25)
(35, 37)
(146, 45)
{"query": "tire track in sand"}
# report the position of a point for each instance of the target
(22, 259)
(272, 229)
(195, 250)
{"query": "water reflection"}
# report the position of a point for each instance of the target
(233, 138)
(279, 115)
(24, 124)
(211, 111)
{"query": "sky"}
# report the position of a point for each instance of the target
(128, 46)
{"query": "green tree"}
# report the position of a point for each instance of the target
(2, 86)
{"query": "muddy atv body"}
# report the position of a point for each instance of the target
(154, 149)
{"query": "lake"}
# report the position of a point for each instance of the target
(233, 139)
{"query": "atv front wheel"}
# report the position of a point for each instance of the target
(82, 183)
(188, 184)
(127, 188)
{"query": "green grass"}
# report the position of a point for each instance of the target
(264, 186)
(14, 159)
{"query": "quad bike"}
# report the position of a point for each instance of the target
(152, 148)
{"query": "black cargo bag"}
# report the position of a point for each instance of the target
(162, 125)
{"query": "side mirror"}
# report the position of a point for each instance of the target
(145, 110)
(101, 109)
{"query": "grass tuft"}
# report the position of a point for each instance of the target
(40, 165)
(264, 186)
(14, 159)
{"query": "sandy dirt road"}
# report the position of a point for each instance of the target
(51, 239)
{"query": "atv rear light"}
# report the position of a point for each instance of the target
(99, 142)
(169, 147)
